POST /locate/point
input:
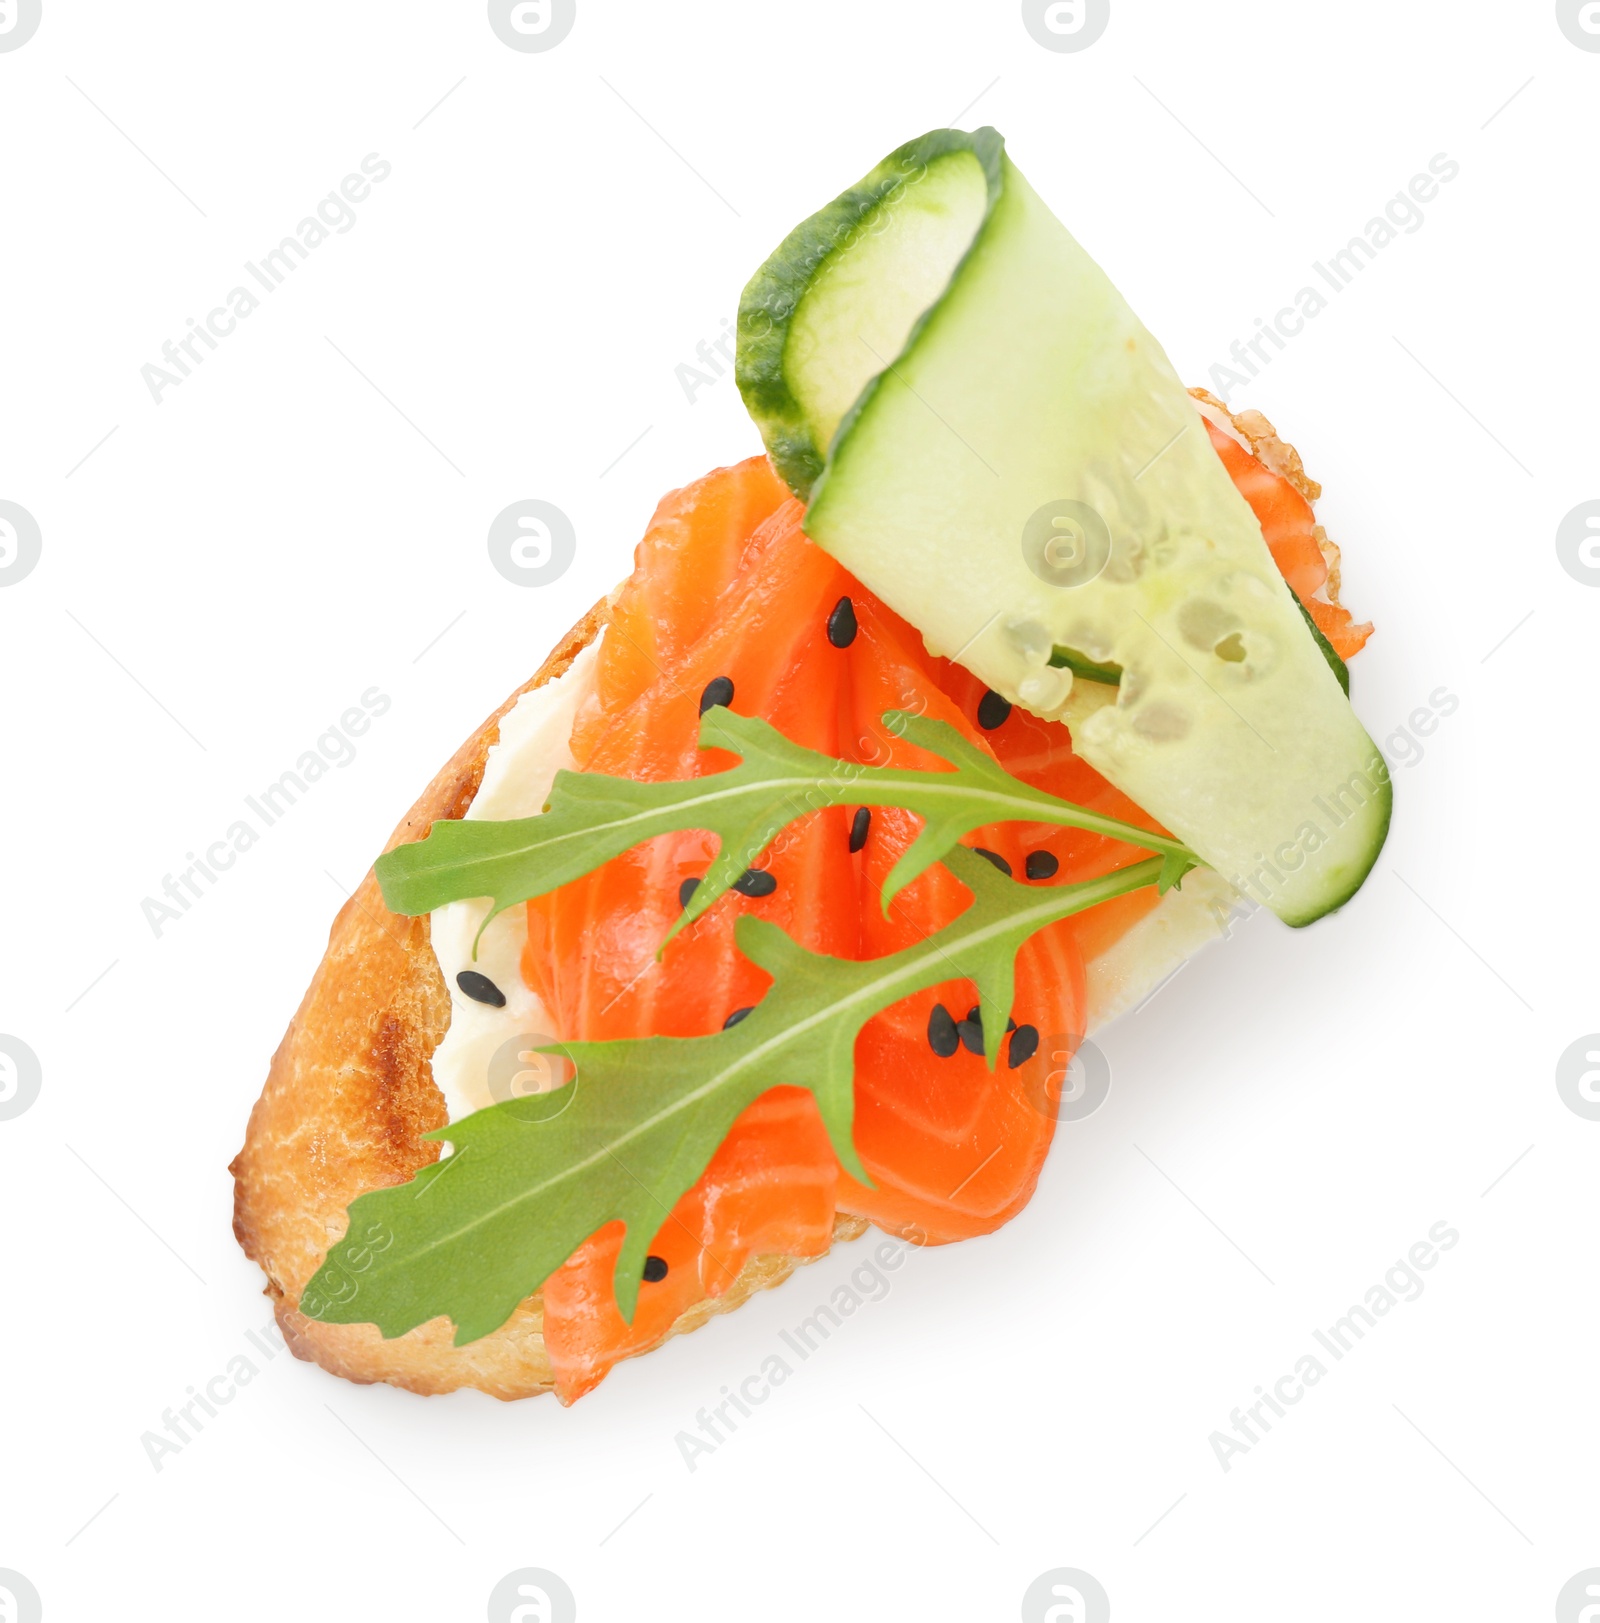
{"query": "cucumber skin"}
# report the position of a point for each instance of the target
(772, 296)
(1374, 851)
(1329, 652)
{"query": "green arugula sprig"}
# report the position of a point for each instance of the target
(591, 818)
(531, 1179)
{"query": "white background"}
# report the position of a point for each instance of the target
(230, 569)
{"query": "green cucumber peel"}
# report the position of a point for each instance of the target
(797, 443)
(1335, 664)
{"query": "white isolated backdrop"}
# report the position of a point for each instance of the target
(304, 519)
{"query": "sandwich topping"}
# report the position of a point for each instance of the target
(648, 955)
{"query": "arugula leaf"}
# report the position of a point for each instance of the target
(591, 817)
(1174, 865)
(531, 1179)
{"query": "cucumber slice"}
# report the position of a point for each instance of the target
(994, 444)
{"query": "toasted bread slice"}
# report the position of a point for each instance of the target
(351, 1094)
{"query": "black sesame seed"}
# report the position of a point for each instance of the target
(737, 1015)
(719, 690)
(481, 989)
(1041, 865)
(994, 857)
(655, 1270)
(993, 711)
(970, 1031)
(1024, 1045)
(975, 1020)
(686, 890)
(755, 882)
(943, 1038)
(842, 623)
(859, 824)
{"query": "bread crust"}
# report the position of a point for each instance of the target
(348, 1098)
